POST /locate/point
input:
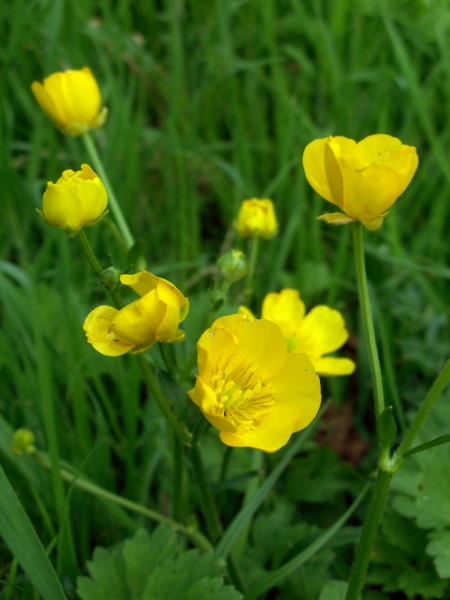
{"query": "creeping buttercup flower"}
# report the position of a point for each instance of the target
(316, 334)
(72, 100)
(256, 218)
(154, 317)
(363, 179)
(250, 388)
(77, 199)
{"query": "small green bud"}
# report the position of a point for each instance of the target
(23, 442)
(110, 277)
(232, 265)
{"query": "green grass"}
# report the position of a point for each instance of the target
(209, 103)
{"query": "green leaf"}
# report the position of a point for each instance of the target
(18, 533)
(387, 428)
(334, 590)
(154, 567)
(443, 439)
(182, 577)
(107, 581)
(439, 550)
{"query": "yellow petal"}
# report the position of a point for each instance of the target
(261, 342)
(296, 404)
(138, 322)
(321, 331)
(142, 282)
(314, 165)
(285, 309)
(246, 313)
(206, 400)
(99, 334)
(330, 366)
(256, 218)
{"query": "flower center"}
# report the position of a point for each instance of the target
(242, 398)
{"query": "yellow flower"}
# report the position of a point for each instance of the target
(257, 218)
(77, 199)
(321, 331)
(363, 179)
(154, 317)
(250, 388)
(72, 100)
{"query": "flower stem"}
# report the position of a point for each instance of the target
(84, 484)
(150, 380)
(126, 234)
(248, 291)
(432, 396)
(366, 313)
(369, 532)
(96, 267)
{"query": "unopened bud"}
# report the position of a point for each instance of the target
(232, 265)
(23, 442)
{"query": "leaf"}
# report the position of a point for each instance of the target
(154, 567)
(443, 439)
(387, 428)
(18, 533)
(334, 590)
(143, 551)
(107, 581)
(439, 549)
(175, 578)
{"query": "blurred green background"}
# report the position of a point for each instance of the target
(209, 103)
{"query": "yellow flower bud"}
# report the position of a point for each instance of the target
(23, 442)
(363, 179)
(72, 100)
(77, 199)
(257, 218)
(154, 317)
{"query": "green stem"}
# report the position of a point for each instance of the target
(248, 291)
(96, 267)
(424, 411)
(84, 484)
(150, 380)
(369, 532)
(112, 200)
(366, 313)
(178, 464)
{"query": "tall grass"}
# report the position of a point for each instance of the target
(209, 103)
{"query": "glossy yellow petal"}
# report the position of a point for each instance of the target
(257, 218)
(330, 366)
(246, 313)
(314, 166)
(260, 342)
(321, 331)
(206, 399)
(142, 283)
(138, 322)
(97, 326)
(284, 306)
